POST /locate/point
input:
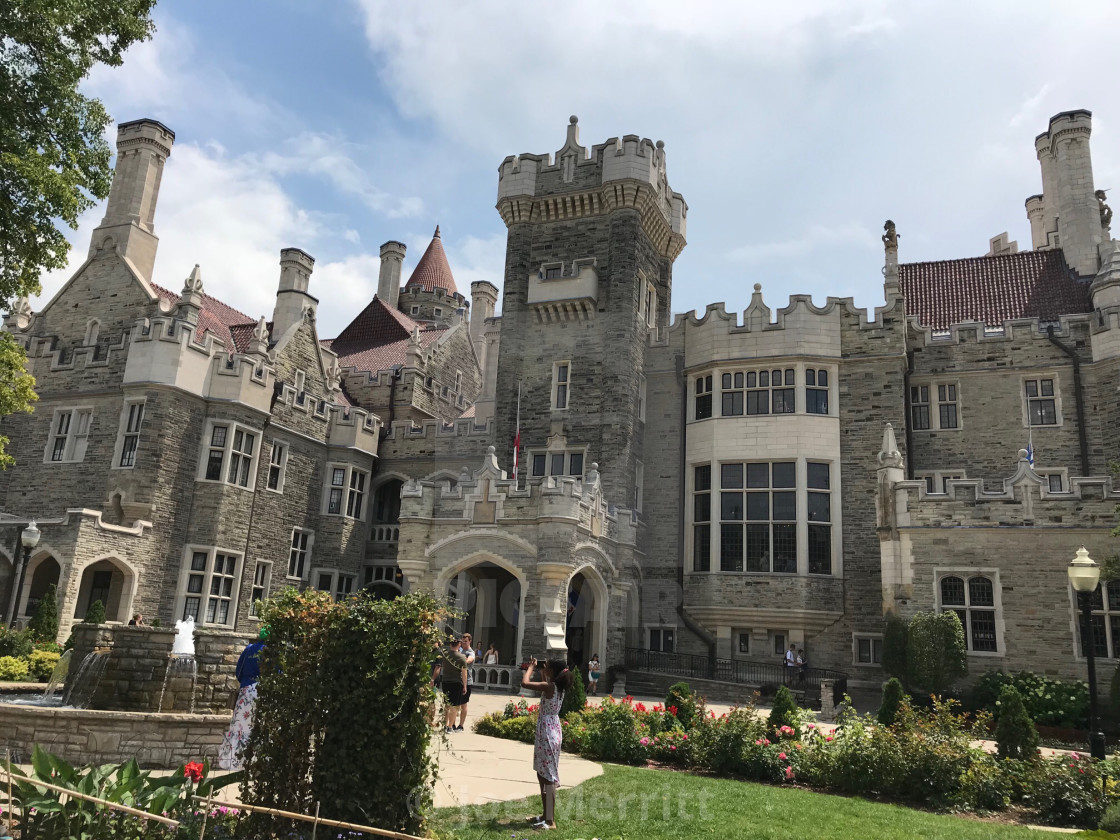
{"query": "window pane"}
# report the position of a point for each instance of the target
(820, 549)
(738, 380)
(764, 379)
(785, 506)
(194, 583)
(948, 414)
(575, 464)
(218, 436)
(980, 592)
(701, 548)
(1032, 387)
(784, 475)
(703, 479)
(731, 475)
(702, 507)
(819, 507)
(338, 477)
(758, 548)
(731, 548)
(817, 476)
(556, 465)
(758, 475)
(785, 548)
(1047, 387)
(952, 591)
(822, 378)
(214, 465)
(984, 630)
(810, 377)
(538, 465)
(790, 379)
(704, 407)
(758, 506)
(864, 651)
(731, 506)
(784, 402)
(727, 380)
(752, 381)
(198, 561)
(1100, 640)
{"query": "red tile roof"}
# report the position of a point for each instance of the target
(1030, 284)
(378, 338)
(219, 319)
(433, 272)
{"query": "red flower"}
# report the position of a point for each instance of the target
(673, 711)
(193, 771)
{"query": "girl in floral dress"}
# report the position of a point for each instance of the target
(546, 749)
(237, 736)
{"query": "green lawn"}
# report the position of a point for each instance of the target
(627, 802)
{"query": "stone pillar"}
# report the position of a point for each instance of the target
(828, 704)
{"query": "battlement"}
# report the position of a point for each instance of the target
(575, 168)
(1064, 125)
(402, 430)
(437, 295)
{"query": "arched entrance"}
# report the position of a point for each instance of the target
(42, 572)
(489, 597)
(109, 582)
(384, 583)
(584, 634)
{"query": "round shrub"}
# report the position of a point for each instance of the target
(44, 626)
(41, 664)
(575, 698)
(892, 699)
(616, 738)
(13, 669)
(680, 698)
(95, 614)
(15, 642)
(784, 712)
(1016, 736)
(1110, 822)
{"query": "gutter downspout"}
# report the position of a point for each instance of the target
(705, 635)
(1079, 398)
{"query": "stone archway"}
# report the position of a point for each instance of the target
(110, 581)
(43, 571)
(491, 595)
(585, 631)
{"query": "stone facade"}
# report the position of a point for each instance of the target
(716, 484)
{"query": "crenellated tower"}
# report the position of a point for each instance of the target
(592, 236)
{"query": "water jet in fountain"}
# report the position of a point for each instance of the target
(58, 675)
(87, 679)
(184, 637)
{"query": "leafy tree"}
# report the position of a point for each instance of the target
(1016, 736)
(54, 159)
(785, 711)
(935, 651)
(95, 614)
(44, 626)
(892, 700)
(575, 698)
(895, 633)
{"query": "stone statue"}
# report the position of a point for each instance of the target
(890, 237)
(1106, 211)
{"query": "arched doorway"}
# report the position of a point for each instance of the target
(109, 582)
(584, 634)
(489, 598)
(42, 572)
(384, 583)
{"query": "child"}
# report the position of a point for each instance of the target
(546, 748)
(593, 674)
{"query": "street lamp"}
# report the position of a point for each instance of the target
(1084, 576)
(29, 538)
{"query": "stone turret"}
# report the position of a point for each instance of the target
(389, 278)
(292, 298)
(143, 147)
(1067, 214)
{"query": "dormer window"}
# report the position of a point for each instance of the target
(301, 382)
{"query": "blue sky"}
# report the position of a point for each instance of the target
(792, 130)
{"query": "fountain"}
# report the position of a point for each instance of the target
(184, 637)
(58, 675)
(79, 691)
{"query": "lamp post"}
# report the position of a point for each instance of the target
(1084, 576)
(29, 538)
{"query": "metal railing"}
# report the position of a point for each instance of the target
(731, 670)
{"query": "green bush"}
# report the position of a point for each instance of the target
(44, 626)
(784, 712)
(95, 614)
(13, 669)
(522, 728)
(892, 699)
(720, 744)
(1016, 736)
(1049, 702)
(15, 642)
(616, 737)
(575, 698)
(1110, 822)
(680, 697)
(895, 634)
(1068, 792)
(935, 651)
(41, 664)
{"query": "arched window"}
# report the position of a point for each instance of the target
(974, 601)
(93, 328)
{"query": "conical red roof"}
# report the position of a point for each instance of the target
(433, 272)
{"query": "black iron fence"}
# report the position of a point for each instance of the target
(690, 666)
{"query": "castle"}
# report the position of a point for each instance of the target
(719, 484)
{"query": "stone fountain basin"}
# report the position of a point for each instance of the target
(91, 736)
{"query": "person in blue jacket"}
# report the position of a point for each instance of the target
(237, 736)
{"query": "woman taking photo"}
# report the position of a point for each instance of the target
(546, 748)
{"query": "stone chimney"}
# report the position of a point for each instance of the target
(389, 278)
(292, 299)
(143, 147)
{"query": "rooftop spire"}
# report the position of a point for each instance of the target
(433, 272)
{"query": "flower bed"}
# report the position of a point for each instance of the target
(925, 758)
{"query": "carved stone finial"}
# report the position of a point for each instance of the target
(436, 234)
(260, 331)
(20, 316)
(193, 284)
(1105, 210)
(890, 235)
(414, 338)
(889, 456)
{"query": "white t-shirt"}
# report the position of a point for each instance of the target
(593, 667)
(491, 659)
(791, 657)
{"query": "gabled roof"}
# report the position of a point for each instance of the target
(378, 338)
(219, 319)
(433, 271)
(1029, 284)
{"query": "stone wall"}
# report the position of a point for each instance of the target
(85, 736)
